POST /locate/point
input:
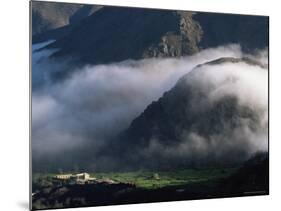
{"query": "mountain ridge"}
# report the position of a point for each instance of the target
(176, 120)
(101, 39)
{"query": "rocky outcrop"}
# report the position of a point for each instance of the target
(176, 44)
(115, 34)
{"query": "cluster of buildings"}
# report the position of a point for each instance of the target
(81, 178)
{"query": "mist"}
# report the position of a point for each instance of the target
(74, 119)
(228, 107)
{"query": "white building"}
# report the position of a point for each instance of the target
(80, 178)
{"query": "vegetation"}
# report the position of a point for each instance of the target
(148, 179)
(151, 186)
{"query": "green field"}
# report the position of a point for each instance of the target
(148, 179)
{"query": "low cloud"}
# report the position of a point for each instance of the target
(228, 107)
(73, 119)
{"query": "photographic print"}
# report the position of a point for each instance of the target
(136, 105)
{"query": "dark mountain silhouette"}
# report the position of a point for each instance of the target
(246, 60)
(251, 32)
(252, 177)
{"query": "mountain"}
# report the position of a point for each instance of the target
(224, 60)
(183, 119)
(251, 32)
(115, 34)
(195, 123)
(52, 15)
(252, 177)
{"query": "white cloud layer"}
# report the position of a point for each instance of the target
(97, 102)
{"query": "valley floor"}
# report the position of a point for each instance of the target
(147, 186)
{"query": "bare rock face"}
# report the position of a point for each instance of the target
(115, 34)
(182, 42)
(127, 33)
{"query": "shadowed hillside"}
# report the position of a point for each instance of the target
(115, 34)
(52, 15)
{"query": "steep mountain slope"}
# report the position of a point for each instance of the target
(115, 34)
(251, 32)
(252, 177)
(52, 15)
(209, 118)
